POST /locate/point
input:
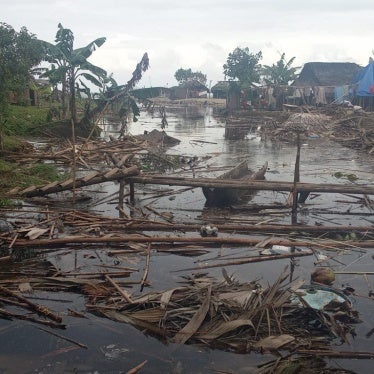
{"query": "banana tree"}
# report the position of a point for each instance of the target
(280, 73)
(70, 66)
(118, 96)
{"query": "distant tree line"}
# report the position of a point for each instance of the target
(244, 68)
(71, 74)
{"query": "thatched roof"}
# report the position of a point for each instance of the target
(327, 74)
(221, 86)
(193, 85)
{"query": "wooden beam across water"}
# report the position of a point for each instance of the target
(264, 185)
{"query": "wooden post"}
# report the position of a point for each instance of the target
(121, 197)
(295, 181)
(132, 193)
(74, 166)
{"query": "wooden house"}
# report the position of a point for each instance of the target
(220, 90)
(324, 82)
(187, 90)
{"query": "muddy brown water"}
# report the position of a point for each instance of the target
(115, 347)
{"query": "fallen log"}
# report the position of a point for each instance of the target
(328, 244)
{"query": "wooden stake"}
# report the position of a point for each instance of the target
(145, 275)
(121, 193)
(132, 193)
(74, 159)
(295, 182)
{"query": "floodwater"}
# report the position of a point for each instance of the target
(116, 347)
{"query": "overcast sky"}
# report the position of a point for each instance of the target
(200, 34)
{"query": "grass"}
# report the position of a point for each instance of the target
(13, 175)
(25, 120)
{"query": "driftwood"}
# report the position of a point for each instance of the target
(137, 368)
(249, 260)
(9, 315)
(35, 307)
(122, 292)
(81, 345)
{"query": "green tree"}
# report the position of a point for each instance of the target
(280, 73)
(185, 75)
(118, 97)
(243, 66)
(71, 67)
(20, 52)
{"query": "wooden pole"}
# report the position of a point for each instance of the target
(295, 182)
(132, 192)
(252, 185)
(74, 158)
(327, 244)
(121, 194)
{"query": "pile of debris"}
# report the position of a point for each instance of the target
(298, 124)
(355, 131)
(234, 316)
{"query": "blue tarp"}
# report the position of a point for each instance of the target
(365, 81)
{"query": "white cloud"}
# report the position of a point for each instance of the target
(200, 34)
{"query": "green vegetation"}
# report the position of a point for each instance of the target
(20, 52)
(25, 120)
(185, 75)
(70, 66)
(243, 66)
(350, 177)
(280, 73)
(13, 175)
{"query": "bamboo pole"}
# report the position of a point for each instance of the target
(122, 292)
(330, 244)
(248, 260)
(42, 310)
(295, 182)
(145, 275)
(251, 185)
(74, 159)
(129, 225)
(112, 175)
